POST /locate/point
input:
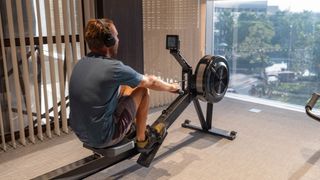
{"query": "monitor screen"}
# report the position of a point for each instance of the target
(172, 42)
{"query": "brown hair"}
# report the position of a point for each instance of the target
(95, 32)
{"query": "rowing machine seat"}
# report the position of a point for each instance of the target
(115, 150)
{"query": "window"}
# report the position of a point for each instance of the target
(272, 47)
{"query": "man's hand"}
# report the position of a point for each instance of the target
(175, 88)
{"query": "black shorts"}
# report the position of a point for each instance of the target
(123, 117)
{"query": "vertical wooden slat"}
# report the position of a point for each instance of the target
(15, 71)
(92, 8)
(34, 69)
(66, 22)
(73, 32)
(52, 68)
(25, 70)
(6, 78)
(80, 20)
(86, 7)
(4, 147)
(43, 71)
(60, 66)
(66, 26)
(91, 12)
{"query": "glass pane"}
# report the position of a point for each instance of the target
(273, 47)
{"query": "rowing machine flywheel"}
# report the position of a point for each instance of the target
(212, 78)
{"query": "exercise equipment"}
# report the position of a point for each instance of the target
(309, 106)
(209, 83)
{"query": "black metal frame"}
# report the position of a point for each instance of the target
(312, 102)
(95, 163)
(169, 115)
(87, 166)
(206, 124)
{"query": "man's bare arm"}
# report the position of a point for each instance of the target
(154, 83)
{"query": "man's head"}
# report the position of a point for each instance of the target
(102, 37)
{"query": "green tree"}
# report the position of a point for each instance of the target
(316, 50)
(245, 20)
(225, 25)
(224, 33)
(256, 43)
(301, 37)
(281, 25)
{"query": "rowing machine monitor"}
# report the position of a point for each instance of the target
(172, 42)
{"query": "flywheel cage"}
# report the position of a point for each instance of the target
(212, 78)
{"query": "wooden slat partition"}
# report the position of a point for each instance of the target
(41, 35)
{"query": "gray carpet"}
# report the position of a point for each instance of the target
(272, 143)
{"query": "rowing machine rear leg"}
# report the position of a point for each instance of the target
(206, 123)
(231, 135)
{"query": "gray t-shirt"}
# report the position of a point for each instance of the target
(93, 90)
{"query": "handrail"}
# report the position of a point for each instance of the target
(313, 100)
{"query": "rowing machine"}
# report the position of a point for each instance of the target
(208, 84)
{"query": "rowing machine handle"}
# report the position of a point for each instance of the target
(180, 92)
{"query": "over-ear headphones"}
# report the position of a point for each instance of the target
(108, 38)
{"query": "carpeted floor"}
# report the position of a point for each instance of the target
(271, 143)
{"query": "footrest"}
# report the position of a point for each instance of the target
(115, 150)
(146, 159)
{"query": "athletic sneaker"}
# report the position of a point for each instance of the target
(154, 136)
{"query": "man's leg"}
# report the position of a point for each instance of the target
(126, 90)
(141, 98)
